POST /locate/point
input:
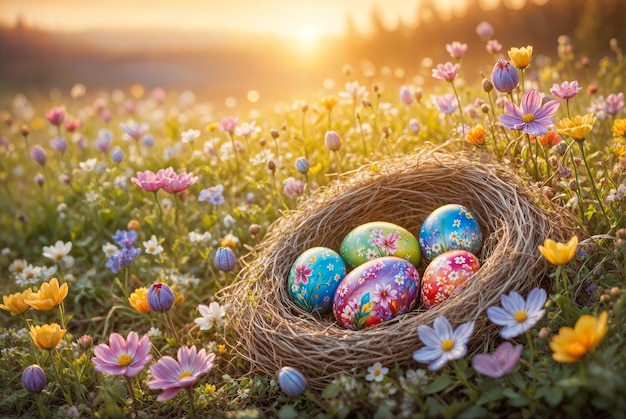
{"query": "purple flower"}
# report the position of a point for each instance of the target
(160, 297)
(456, 49)
(447, 71)
(504, 76)
(225, 259)
(532, 117)
(39, 155)
(172, 375)
(59, 144)
(212, 195)
(125, 238)
(34, 378)
(122, 258)
(414, 125)
(332, 140)
(122, 357)
(228, 124)
(117, 155)
(291, 381)
(493, 46)
(148, 140)
(446, 103)
(499, 364)
(442, 343)
(565, 90)
(516, 315)
(614, 103)
(133, 130)
(485, 30)
(103, 142)
(406, 97)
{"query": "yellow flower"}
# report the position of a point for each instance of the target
(476, 135)
(47, 336)
(578, 127)
(619, 150)
(521, 56)
(229, 240)
(329, 102)
(569, 345)
(14, 303)
(559, 253)
(619, 127)
(222, 349)
(213, 126)
(49, 295)
(139, 300)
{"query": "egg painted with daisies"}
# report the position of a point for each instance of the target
(314, 277)
(446, 275)
(377, 239)
(376, 291)
(450, 227)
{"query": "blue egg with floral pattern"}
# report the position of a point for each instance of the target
(313, 279)
(450, 227)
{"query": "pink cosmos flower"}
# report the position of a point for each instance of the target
(456, 49)
(72, 125)
(614, 103)
(293, 187)
(384, 294)
(171, 375)
(485, 30)
(149, 181)
(565, 90)
(56, 116)
(133, 130)
(174, 183)
(532, 117)
(389, 243)
(446, 103)
(229, 123)
(303, 272)
(493, 46)
(122, 357)
(499, 364)
(447, 71)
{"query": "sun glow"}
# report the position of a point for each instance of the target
(307, 39)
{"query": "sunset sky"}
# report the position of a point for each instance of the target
(306, 18)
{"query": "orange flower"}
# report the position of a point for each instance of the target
(619, 127)
(550, 138)
(14, 303)
(477, 135)
(329, 102)
(570, 345)
(139, 300)
(49, 295)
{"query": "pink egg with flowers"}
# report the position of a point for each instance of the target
(446, 275)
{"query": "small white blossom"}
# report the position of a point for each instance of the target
(189, 135)
(152, 246)
(376, 372)
(197, 238)
(88, 166)
(58, 251)
(154, 332)
(213, 315)
(109, 249)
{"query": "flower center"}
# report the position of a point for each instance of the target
(529, 117)
(521, 316)
(576, 349)
(447, 345)
(184, 374)
(124, 360)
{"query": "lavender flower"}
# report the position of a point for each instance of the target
(504, 76)
(532, 117)
(122, 356)
(565, 90)
(212, 195)
(517, 316)
(447, 71)
(499, 364)
(443, 344)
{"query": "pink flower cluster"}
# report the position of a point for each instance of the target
(166, 179)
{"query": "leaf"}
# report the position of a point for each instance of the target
(384, 411)
(510, 393)
(440, 383)
(453, 410)
(434, 407)
(490, 395)
(474, 412)
(517, 380)
(331, 391)
(287, 412)
(554, 396)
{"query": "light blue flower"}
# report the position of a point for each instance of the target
(516, 315)
(443, 344)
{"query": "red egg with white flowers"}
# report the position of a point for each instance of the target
(446, 275)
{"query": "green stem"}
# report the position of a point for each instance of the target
(458, 100)
(232, 140)
(68, 396)
(593, 183)
(580, 200)
(191, 401)
(362, 134)
(473, 391)
(131, 393)
(156, 198)
(171, 324)
(564, 279)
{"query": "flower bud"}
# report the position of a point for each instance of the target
(302, 165)
(485, 108)
(415, 126)
(85, 342)
(254, 229)
(133, 225)
(543, 333)
(39, 179)
(117, 155)
(487, 85)
(291, 381)
(34, 378)
(160, 297)
(504, 76)
(332, 141)
(271, 165)
(224, 259)
(418, 94)
(25, 130)
(39, 155)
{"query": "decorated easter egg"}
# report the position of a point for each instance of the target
(450, 227)
(314, 277)
(377, 239)
(376, 291)
(446, 275)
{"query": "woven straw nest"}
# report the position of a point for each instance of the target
(273, 332)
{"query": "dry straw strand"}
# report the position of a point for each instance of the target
(271, 332)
